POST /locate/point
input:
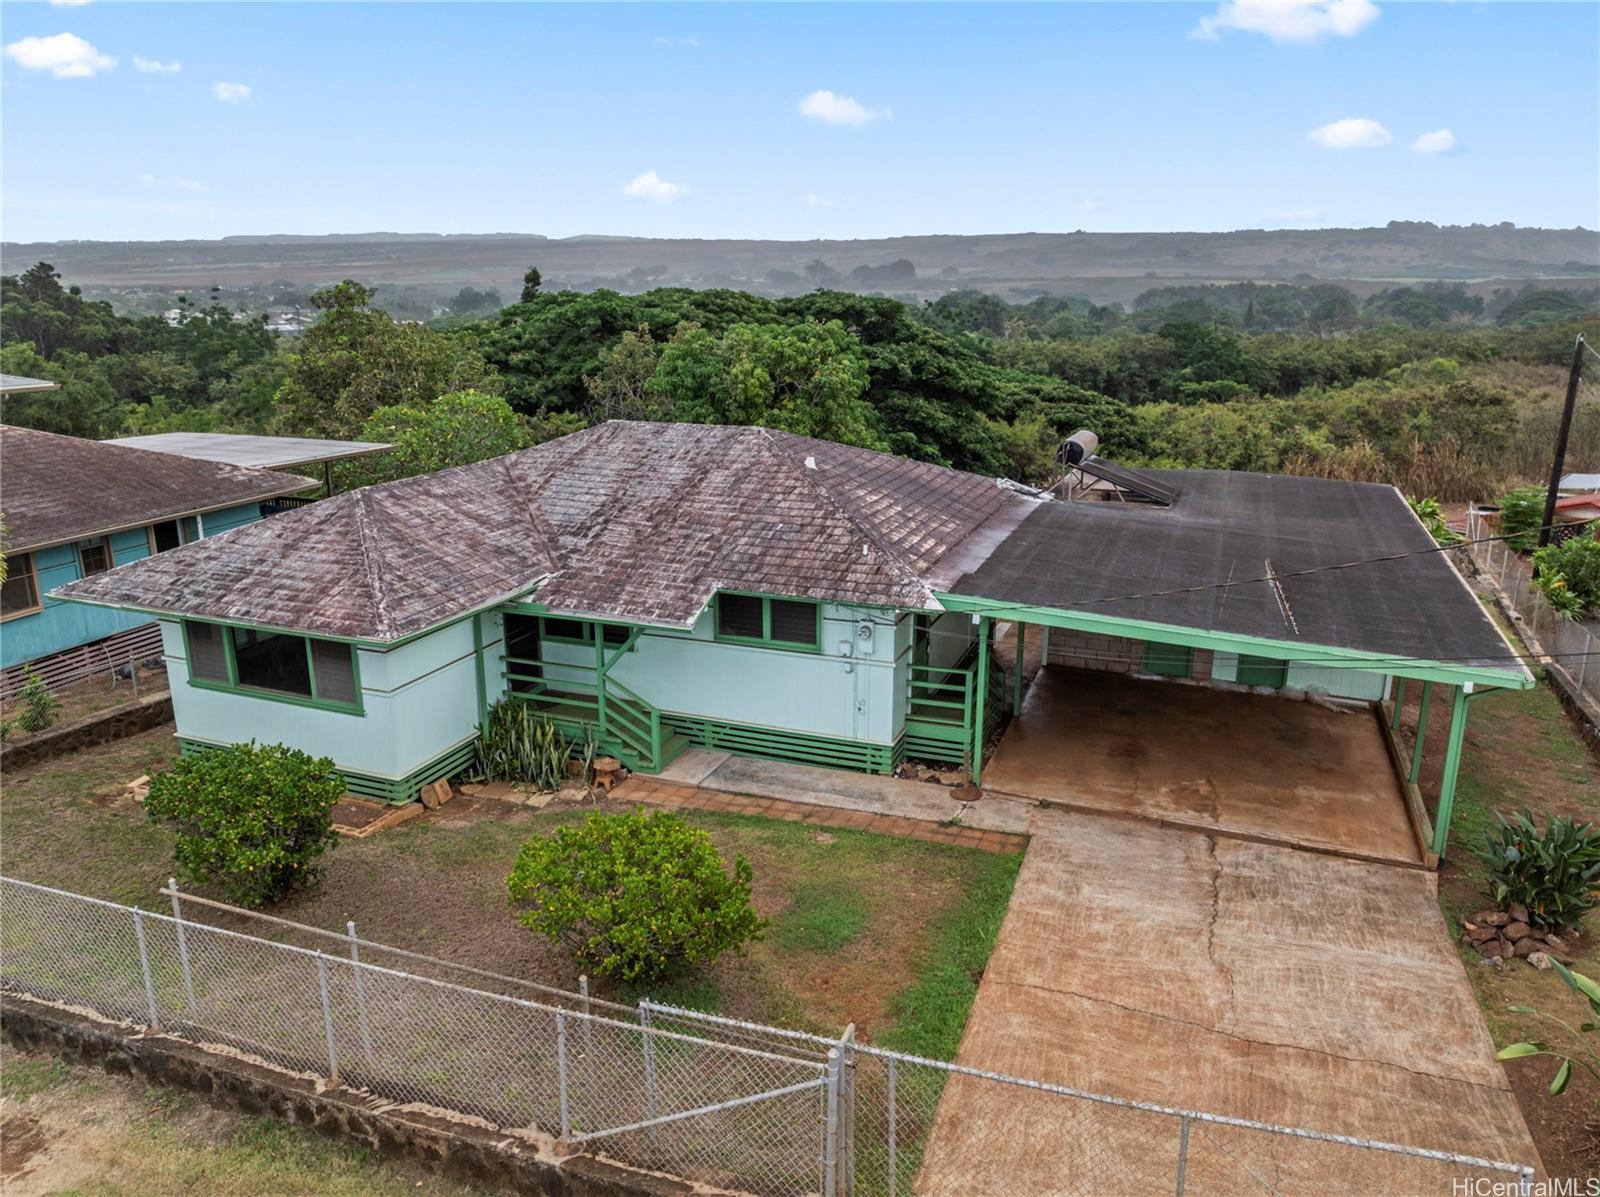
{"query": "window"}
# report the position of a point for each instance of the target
(581, 631)
(20, 594)
(780, 623)
(164, 536)
(94, 556)
(1262, 671)
(271, 661)
(279, 665)
(208, 659)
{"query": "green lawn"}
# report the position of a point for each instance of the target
(888, 933)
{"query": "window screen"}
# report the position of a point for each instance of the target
(271, 661)
(95, 556)
(20, 592)
(615, 633)
(794, 623)
(566, 629)
(739, 615)
(165, 535)
(336, 671)
(208, 659)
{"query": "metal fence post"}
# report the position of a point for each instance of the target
(847, 1108)
(830, 1146)
(648, 1046)
(361, 995)
(894, 1168)
(183, 952)
(327, 1019)
(1183, 1152)
(561, 1073)
(144, 966)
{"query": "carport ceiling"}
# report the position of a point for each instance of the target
(1170, 567)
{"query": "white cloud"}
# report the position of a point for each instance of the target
(1352, 133)
(151, 66)
(1440, 141)
(64, 55)
(1302, 216)
(1301, 21)
(652, 186)
(813, 200)
(677, 41)
(231, 93)
(183, 184)
(68, 3)
(833, 109)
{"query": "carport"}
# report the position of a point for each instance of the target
(1243, 585)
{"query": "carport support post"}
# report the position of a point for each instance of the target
(1016, 700)
(980, 699)
(1399, 703)
(1452, 769)
(1422, 732)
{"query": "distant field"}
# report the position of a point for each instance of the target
(1104, 266)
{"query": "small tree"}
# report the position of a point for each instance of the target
(530, 284)
(1521, 513)
(634, 896)
(251, 820)
(39, 706)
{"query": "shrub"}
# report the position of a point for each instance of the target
(251, 819)
(635, 896)
(1569, 574)
(1432, 517)
(39, 706)
(1521, 514)
(518, 745)
(1553, 872)
(1583, 1052)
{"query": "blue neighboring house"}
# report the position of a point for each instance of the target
(74, 508)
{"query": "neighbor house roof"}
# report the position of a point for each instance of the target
(55, 489)
(640, 522)
(1174, 565)
(16, 384)
(263, 452)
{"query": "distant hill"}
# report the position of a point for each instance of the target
(1101, 266)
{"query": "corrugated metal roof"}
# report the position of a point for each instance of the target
(639, 522)
(263, 452)
(56, 488)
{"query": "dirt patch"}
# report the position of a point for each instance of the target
(1567, 1128)
(21, 1138)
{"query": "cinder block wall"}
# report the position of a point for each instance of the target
(1114, 654)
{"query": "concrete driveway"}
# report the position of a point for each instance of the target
(1231, 977)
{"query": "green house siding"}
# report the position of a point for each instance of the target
(58, 626)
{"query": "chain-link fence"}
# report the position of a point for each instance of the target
(88, 680)
(732, 1105)
(1571, 646)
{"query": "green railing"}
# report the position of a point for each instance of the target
(615, 713)
(937, 689)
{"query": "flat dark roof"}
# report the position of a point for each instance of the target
(1092, 556)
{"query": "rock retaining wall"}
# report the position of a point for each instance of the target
(100, 728)
(465, 1149)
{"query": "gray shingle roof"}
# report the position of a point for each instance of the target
(55, 489)
(638, 522)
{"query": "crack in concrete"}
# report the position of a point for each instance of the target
(1211, 924)
(1249, 1042)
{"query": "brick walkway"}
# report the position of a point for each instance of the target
(671, 795)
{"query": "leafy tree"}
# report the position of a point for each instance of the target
(1568, 573)
(251, 819)
(1521, 515)
(530, 284)
(804, 378)
(635, 896)
(356, 359)
(470, 300)
(454, 429)
(619, 387)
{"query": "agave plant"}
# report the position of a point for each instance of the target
(516, 744)
(1554, 872)
(1584, 1055)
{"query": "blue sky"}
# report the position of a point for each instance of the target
(126, 120)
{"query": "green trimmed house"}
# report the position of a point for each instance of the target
(665, 585)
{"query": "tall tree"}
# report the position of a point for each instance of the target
(530, 284)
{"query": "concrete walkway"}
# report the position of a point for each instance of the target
(1229, 977)
(1251, 766)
